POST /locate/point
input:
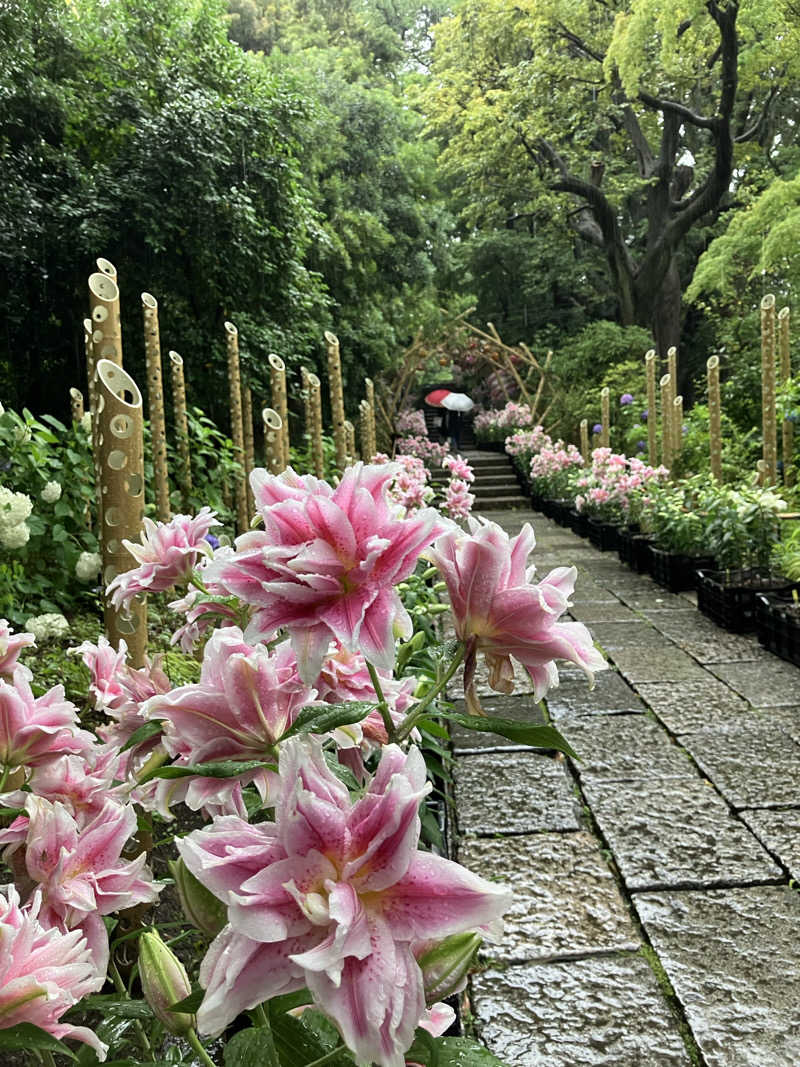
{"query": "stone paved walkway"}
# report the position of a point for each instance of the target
(655, 922)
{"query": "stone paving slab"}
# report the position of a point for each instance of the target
(605, 610)
(654, 600)
(566, 902)
(513, 792)
(519, 707)
(604, 1011)
(753, 765)
(732, 959)
(704, 640)
(779, 831)
(674, 833)
(574, 699)
(684, 707)
(614, 636)
(765, 684)
(667, 664)
(619, 748)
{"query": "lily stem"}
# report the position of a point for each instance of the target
(328, 1057)
(383, 707)
(413, 717)
(196, 1044)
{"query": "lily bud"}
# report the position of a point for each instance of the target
(201, 907)
(446, 965)
(164, 982)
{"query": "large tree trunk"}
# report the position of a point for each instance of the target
(665, 319)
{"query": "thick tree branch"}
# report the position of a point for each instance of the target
(753, 132)
(580, 44)
(658, 103)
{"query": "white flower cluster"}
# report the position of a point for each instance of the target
(86, 422)
(51, 492)
(88, 566)
(51, 625)
(14, 510)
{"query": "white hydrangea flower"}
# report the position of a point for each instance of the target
(47, 626)
(88, 566)
(14, 508)
(51, 492)
(15, 536)
(86, 422)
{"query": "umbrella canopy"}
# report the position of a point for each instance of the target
(436, 397)
(457, 402)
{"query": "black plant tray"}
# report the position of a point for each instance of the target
(729, 597)
(604, 535)
(778, 625)
(633, 548)
(579, 521)
(675, 571)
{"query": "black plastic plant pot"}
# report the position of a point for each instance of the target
(633, 548)
(579, 521)
(778, 625)
(729, 597)
(676, 572)
(642, 557)
(604, 535)
(561, 510)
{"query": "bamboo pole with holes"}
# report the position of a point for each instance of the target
(317, 451)
(337, 398)
(350, 441)
(605, 417)
(677, 426)
(106, 327)
(363, 429)
(181, 426)
(121, 440)
(372, 435)
(787, 428)
(273, 440)
(769, 425)
(714, 417)
(249, 446)
(237, 423)
(155, 405)
(585, 438)
(277, 377)
(76, 404)
(305, 393)
(666, 421)
(652, 413)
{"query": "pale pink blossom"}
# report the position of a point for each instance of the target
(332, 895)
(43, 972)
(200, 614)
(458, 499)
(11, 644)
(326, 565)
(458, 468)
(35, 729)
(82, 782)
(167, 554)
(499, 611)
(438, 1019)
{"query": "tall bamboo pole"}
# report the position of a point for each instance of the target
(155, 404)
(317, 451)
(121, 437)
(666, 421)
(337, 398)
(350, 441)
(585, 438)
(652, 412)
(363, 429)
(277, 376)
(249, 446)
(273, 442)
(76, 404)
(787, 435)
(714, 417)
(605, 417)
(677, 426)
(769, 425)
(107, 330)
(372, 446)
(237, 427)
(305, 392)
(672, 371)
(181, 426)
(105, 266)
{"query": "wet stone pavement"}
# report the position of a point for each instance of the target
(655, 918)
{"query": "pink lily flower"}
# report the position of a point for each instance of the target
(499, 611)
(199, 614)
(326, 564)
(81, 782)
(34, 729)
(167, 554)
(43, 972)
(11, 644)
(333, 896)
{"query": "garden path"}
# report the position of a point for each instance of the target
(654, 920)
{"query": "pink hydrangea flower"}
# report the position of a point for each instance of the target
(326, 564)
(11, 644)
(499, 611)
(166, 555)
(43, 972)
(333, 895)
(35, 729)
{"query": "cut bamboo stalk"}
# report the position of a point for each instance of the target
(273, 443)
(787, 435)
(585, 439)
(672, 370)
(363, 430)
(277, 375)
(769, 425)
(605, 417)
(337, 398)
(107, 331)
(350, 441)
(237, 427)
(652, 412)
(372, 434)
(677, 426)
(317, 451)
(105, 266)
(249, 446)
(305, 393)
(155, 404)
(121, 448)
(714, 417)
(666, 421)
(181, 427)
(76, 404)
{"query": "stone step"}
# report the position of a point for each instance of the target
(501, 503)
(498, 494)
